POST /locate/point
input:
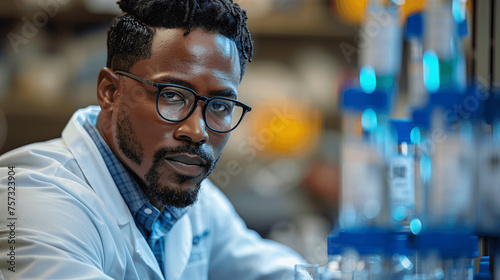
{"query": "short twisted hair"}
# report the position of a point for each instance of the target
(131, 34)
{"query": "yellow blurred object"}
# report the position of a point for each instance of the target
(354, 11)
(285, 127)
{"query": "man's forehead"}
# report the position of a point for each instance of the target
(197, 41)
(171, 50)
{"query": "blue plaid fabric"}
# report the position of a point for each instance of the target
(152, 223)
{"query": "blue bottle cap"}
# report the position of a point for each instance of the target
(484, 269)
(414, 26)
(475, 101)
(400, 243)
(471, 246)
(467, 105)
(402, 128)
(334, 247)
(422, 117)
(452, 104)
(355, 99)
(492, 108)
(435, 242)
(449, 244)
(364, 241)
(446, 99)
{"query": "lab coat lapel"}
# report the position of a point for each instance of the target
(94, 168)
(178, 245)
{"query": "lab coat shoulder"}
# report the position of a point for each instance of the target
(58, 222)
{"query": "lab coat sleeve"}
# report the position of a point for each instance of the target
(48, 233)
(240, 253)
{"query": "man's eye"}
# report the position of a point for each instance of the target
(172, 96)
(221, 106)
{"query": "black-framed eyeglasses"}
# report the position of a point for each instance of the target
(176, 103)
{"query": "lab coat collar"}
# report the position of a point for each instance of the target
(91, 163)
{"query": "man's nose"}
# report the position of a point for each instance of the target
(194, 128)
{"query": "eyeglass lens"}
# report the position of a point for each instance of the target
(221, 114)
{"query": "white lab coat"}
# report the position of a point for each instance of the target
(72, 223)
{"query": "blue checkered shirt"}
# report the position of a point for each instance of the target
(152, 223)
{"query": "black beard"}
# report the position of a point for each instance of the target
(150, 184)
(127, 141)
(170, 195)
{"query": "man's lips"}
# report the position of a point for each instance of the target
(186, 164)
(187, 159)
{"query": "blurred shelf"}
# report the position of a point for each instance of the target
(36, 13)
(62, 17)
(314, 19)
(17, 106)
(311, 19)
(29, 122)
(25, 129)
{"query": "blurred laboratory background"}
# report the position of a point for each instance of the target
(281, 167)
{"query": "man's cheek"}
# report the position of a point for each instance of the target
(220, 148)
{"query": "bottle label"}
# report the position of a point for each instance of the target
(402, 188)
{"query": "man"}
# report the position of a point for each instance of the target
(123, 193)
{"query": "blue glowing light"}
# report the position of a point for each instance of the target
(415, 226)
(415, 135)
(458, 10)
(369, 120)
(399, 212)
(431, 71)
(367, 79)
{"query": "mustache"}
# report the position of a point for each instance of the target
(186, 149)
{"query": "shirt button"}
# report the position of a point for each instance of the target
(148, 211)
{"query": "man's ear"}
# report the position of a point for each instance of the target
(107, 85)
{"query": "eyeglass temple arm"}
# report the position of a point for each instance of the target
(135, 77)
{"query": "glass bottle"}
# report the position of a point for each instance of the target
(401, 192)
(364, 132)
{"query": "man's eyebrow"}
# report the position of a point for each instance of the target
(170, 80)
(224, 93)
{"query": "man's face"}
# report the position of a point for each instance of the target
(170, 159)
